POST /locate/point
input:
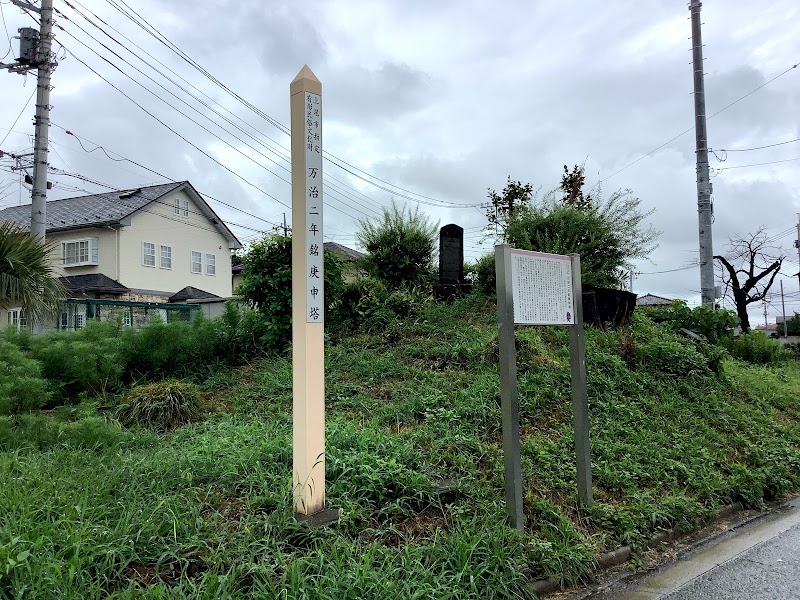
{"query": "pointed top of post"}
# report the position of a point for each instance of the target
(305, 81)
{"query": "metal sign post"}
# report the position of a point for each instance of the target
(535, 288)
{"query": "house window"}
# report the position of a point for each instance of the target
(148, 254)
(166, 257)
(211, 264)
(126, 318)
(17, 318)
(64, 323)
(181, 207)
(197, 262)
(75, 253)
(80, 320)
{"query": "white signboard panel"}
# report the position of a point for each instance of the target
(315, 303)
(542, 288)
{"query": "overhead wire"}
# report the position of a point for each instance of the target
(5, 137)
(772, 162)
(196, 123)
(151, 30)
(723, 109)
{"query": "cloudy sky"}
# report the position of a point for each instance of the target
(440, 101)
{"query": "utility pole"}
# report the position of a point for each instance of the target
(766, 323)
(704, 209)
(797, 244)
(35, 51)
(783, 306)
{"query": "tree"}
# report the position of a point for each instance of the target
(503, 209)
(27, 277)
(572, 187)
(792, 325)
(267, 285)
(608, 234)
(401, 246)
(749, 270)
(564, 230)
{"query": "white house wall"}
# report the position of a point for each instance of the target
(106, 251)
(158, 224)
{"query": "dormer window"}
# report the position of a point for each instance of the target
(75, 253)
(181, 207)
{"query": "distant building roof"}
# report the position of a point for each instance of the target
(92, 283)
(191, 293)
(110, 208)
(652, 300)
(345, 253)
(236, 269)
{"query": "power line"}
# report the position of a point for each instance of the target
(773, 162)
(193, 145)
(198, 124)
(758, 147)
(8, 35)
(654, 150)
(5, 137)
(151, 30)
(236, 208)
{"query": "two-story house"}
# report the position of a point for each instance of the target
(145, 244)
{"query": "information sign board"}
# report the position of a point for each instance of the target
(542, 288)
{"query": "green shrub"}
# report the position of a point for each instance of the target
(755, 347)
(89, 360)
(164, 405)
(163, 349)
(713, 324)
(22, 387)
(400, 247)
(267, 286)
(485, 275)
(367, 304)
(670, 355)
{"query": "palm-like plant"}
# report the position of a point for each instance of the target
(27, 277)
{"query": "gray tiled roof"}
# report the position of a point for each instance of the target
(345, 253)
(652, 300)
(88, 211)
(93, 282)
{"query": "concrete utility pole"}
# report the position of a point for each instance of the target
(42, 122)
(797, 244)
(783, 306)
(704, 210)
(35, 50)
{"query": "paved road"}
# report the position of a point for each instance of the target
(759, 562)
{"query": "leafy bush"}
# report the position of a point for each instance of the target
(713, 324)
(89, 360)
(367, 303)
(565, 230)
(669, 355)
(485, 275)
(165, 405)
(163, 349)
(755, 347)
(400, 247)
(267, 286)
(22, 387)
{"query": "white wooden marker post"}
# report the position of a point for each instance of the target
(534, 288)
(308, 355)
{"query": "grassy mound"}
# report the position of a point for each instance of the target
(205, 511)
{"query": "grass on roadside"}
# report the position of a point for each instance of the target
(91, 510)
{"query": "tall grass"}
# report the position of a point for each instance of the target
(91, 510)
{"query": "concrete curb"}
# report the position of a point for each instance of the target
(621, 555)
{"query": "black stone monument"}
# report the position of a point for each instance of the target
(451, 263)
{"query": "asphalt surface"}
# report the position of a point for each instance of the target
(768, 571)
(759, 561)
